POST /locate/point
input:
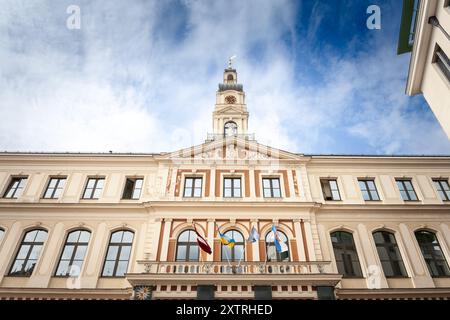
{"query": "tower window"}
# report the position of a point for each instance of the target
(230, 129)
(330, 189)
(230, 77)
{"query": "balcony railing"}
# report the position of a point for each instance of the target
(210, 267)
(214, 136)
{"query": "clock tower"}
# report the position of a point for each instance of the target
(230, 116)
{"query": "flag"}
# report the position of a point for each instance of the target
(254, 236)
(226, 240)
(202, 243)
(280, 245)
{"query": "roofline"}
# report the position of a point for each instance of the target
(142, 154)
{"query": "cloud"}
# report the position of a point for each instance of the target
(142, 76)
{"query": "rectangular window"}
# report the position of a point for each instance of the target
(406, 189)
(55, 187)
(442, 61)
(271, 188)
(330, 189)
(232, 187)
(368, 189)
(442, 188)
(193, 187)
(93, 188)
(133, 188)
(15, 188)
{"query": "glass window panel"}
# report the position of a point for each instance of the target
(90, 184)
(188, 183)
(41, 235)
(48, 193)
(116, 237)
(267, 193)
(400, 185)
(187, 192)
(63, 268)
(84, 236)
(374, 195)
(112, 253)
(227, 192)
(192, 236)
(22, 182)
(108, 268)
(30, 236)
(335, 194)
(445, 185)
(136, 193)
(226, 253)
(371, 185)
(412, 195)
(73, 236)
(408, 185)
(238, 252)
(266, 183)
(366, 195)
(237, 192)
(333, 184)
(67, 253)
(362, 185)
(52, 183)
(100, 183)
(227, 183)
(121, 268)
(181, 252)
(17, 266)
(198, 183)
(184, 236)
(125, 253)
(88, 193)
(23, 251)
(75, 268)
(276, 193)
(404, 195)
(80, 253)
(34, 254)
(138, 183)
(2, 233)
(57, 193)
(97, 193)
(193, 253)
(127, 237)
(29, 266)
(197, 192)
(237, 183)
(275, 183)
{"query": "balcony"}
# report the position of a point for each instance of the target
(152, 272)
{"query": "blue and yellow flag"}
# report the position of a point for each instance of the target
(226, 240)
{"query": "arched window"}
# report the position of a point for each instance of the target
(118, 255)
(390, 257)
(272, 253)
(345, 253)
(29, 252)
(230, 129)
(236, 253)
(73, 254)
(2, 234)
(230, 77)
(187, 246)
(432, 253)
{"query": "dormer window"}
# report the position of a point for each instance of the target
(230, 129)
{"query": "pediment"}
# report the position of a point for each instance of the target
(232, 149)
(229, 110)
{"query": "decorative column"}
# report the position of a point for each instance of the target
(300, 243)
(166, 235)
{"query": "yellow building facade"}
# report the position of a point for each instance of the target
(123, 226)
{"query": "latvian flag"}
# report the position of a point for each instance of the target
(202, 243)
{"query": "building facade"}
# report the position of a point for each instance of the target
(124, 226)
(425, 31)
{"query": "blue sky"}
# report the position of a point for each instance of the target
(141, 76)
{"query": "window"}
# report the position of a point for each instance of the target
(230, 129)
(118, 255)
(54, 188)
(133, 188)
(330, 189)
(406, 190)
(271, 188)
(2, 233)
(28, 254)
(15, 188)
(272, 253)
(94, 188)
(390, 257)
(368, 190)
(236, 253)
(432, 253)
(442, 61)
(187, 246)
(193, 187)
(232, 187)
(442, 188)
(73, 253)
(345, 253)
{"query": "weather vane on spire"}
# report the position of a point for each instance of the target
(230, 61)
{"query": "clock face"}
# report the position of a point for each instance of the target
(230, 99)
